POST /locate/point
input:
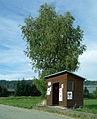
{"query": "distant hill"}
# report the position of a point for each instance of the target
(90, 82)
(12, 84)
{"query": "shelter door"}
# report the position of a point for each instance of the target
(55, 93)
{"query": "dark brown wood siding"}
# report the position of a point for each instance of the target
(62, 79)
(77, 91)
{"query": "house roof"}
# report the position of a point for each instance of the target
(63, 72)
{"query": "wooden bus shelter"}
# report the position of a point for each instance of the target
(65, 89)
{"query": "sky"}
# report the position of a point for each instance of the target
(14, 65)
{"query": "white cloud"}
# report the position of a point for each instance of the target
(17, 76)
(89, 57)
(88, 63)
(13, 62)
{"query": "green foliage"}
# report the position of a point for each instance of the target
(53, 43)
(3, 91)
(95, 93)
(90, 95)
(86, 93)
(23, 89)
(17, 90)
(41, 86)
(0, 91)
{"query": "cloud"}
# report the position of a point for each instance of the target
(13, 62)
(17, 76)
(90, 56)
(88, 63)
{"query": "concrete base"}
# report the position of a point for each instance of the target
(57, 107)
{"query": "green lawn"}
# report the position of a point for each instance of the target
(26, 102)
(90, 105)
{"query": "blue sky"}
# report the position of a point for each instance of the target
(13, 62)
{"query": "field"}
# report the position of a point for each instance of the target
(90, 106)
(25, 102)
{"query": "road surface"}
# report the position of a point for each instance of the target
(9, 112)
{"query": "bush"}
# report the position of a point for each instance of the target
(86, 93)
(90, 95)
(3, 91)
(41, 86)
(23, 89)
(95, 93)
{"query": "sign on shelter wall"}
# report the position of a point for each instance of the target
(49, 88)
(69, 95)
(61, 93)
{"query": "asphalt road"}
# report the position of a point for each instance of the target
(9, 112)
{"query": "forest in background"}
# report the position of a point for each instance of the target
(18, 88)
(28, 88)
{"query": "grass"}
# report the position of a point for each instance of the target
(69, 112)
(25, 102)
(88, 112)
(90, 105)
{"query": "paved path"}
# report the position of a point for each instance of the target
(9, 112)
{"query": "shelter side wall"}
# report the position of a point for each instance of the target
(77, 92)
(70, 103)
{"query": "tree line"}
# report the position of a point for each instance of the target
(24, 89)
(90, 95)
(21, 89)
(3, 91)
